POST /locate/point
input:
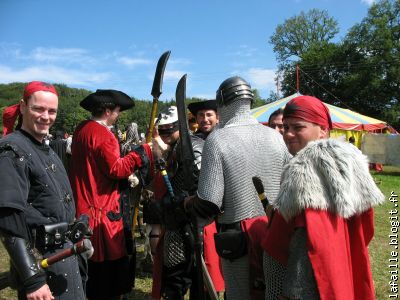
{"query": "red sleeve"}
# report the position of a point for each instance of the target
(113, 164)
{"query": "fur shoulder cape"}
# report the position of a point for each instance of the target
(328, 175)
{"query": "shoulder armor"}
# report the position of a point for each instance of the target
(9, 148)
(197, 145)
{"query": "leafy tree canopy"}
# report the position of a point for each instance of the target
(297, 34)
(360, 72)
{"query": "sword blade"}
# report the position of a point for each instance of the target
(187, 159)
(159, 75)
(187, 154)
(156, 91)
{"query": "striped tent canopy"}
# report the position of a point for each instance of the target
(344, 119)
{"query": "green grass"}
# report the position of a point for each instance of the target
(379, 249)
(143, 280)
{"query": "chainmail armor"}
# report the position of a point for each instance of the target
(132, 138)
(274, 276)
(299, 282)
(236, 277)
(174, 246)
(235, 152)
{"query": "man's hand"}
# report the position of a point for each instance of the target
(133, 180)
(89, 249)
(43, 293)
(159, 148)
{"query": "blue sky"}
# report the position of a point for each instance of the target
(95, 44)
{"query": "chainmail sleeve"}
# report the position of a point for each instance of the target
(274, 277)
(211, 187)
(232, 155)
(300, 281)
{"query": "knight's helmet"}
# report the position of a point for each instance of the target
(234, 98)
(232, 89)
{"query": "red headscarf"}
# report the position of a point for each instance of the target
(309, 109)
(11, 113)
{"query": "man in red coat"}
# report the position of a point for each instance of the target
(96, 172)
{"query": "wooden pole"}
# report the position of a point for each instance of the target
(277, 86)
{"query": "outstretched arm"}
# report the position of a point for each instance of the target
(202, 209)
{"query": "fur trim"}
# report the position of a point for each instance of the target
(328, 175)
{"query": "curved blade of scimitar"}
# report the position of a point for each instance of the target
(159, 75)
(182, 119)
(180, 104)
(187, 154)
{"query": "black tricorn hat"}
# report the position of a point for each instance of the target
(107, 96)
(207, 104)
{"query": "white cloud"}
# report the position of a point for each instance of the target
(64, 55)
(204, 96)
(245, 51)
(132, 62)
(261, 78)
(368, 2)
(52, 74)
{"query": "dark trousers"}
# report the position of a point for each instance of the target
(109, 279)
(176, 280)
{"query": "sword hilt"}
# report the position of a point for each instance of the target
(162, 166)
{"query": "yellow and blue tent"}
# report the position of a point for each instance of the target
(345, 121)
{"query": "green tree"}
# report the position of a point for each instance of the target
(373, 78)
(304, 40)
(273, 96)
(360, 72)
(258, 101)
(297, 34)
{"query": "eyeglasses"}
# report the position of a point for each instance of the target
(41, 110)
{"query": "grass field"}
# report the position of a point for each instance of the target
(380, 250)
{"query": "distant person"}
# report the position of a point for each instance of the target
(193, 126)
(317, 242)
(206, 116)
(352, 140)
(59, 145)
(275, 120)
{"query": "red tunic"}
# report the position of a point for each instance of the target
(337, 248)
(211, 258)
(95, 172)
(255, 229)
